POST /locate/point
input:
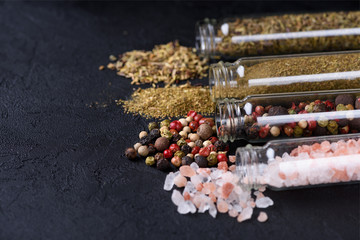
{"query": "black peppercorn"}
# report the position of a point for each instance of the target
(321, 107)
(220, 146)
(343, 122)
(201, 161)
(186, 160)
(357, 103)
(186, 149)
(155, 133)
(159, 156)
(320, 131)
(145, 140)
(344, 99)
(176, 137)
(130, 153)
(163, 165)
(253, 131)
(152, 149)
(278, 110)
(355, 124)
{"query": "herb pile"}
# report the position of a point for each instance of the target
(168, 63)
(173, 101)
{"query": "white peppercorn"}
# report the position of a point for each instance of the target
(193, 137)
(143, 151)
(136, 146)
(187, 129)
(183, 122)
(206, 143)
(189, 119)
(191, 144)
(183, 134)
(142, 134)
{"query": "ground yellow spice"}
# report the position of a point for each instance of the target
(173, 101)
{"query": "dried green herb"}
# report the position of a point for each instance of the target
(289, 23)
(173, 101)
(169, 63)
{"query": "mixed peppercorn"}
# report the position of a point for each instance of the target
(310, 125)
(171, 144)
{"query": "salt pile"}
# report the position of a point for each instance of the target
(214, 190)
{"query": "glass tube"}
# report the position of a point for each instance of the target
(285, 73)
(282, 34)
(299, 163)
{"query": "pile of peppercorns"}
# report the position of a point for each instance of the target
(169, 145)
(305, 128)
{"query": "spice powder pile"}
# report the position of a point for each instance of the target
(173, 101)
(168, 63)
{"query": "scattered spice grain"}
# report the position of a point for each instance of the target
(174, 101)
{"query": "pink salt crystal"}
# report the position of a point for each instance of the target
(222, 206)
(262, 217)
(223, 166)
(180, 181)
(325, 146)
(252, 204)
(245, 214)
(197, 200)
(232, 158)
(233, 213)
(227, 189)
(199, 187)
(186, 196)
(232, 168)
(259, 195)
(187, 171)
(212, 197)
(211, 186)
(204, 170)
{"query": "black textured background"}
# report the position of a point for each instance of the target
(62, 170)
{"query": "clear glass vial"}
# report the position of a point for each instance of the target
(285, 73)
(299, 163)
(259, 118)
(282, 34)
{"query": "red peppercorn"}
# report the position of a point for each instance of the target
(302, 112)
(329, 105)
(195, 150)
(173, 131)
(254, 116)
(344, 130)
(174, 147)
(213, 139)
(302, 105)
(260, 110)
(176, 125)
(292, 125)
(293, 106)
(198, 117)
(209, 121)
(288, 130)
(187, 140)
(168, 153)
(222, 157)
(204, 152)
(317, 102)
(194, 126)
(264, 131)
(191, 113)
(311, 125)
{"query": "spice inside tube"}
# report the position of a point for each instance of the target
(286, 73)
(285, 164)
(283, 34)
(259, 118)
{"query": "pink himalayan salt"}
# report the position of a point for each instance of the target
(226, 189)
(232, 158)
(187, 171)
(232, 168)
(212, 197)
(209, 187)
(180, 181)
(262, 217)
(245, 214)
(259, 195)
(233, 213)
(204, 170)
(223, 166)
(186, 196)
(262, 189)
(325, 146)
(199, 187)
(222, 206)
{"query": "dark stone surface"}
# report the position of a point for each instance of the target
(63, 174)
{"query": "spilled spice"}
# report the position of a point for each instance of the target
(168, 63)
(173, 101)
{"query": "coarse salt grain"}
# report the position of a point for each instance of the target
(263, 217)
